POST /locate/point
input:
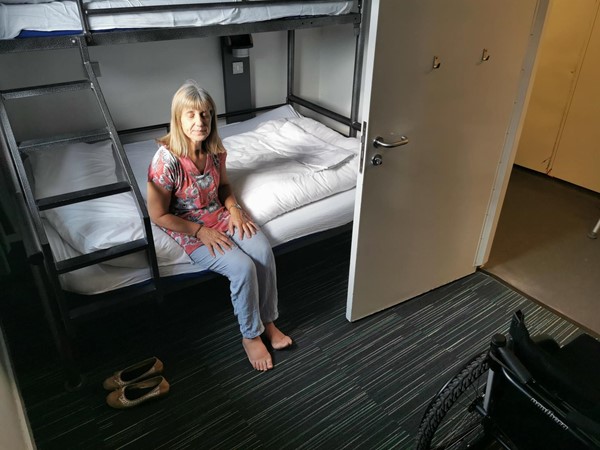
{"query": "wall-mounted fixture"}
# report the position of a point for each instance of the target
(239, 44)
(235, 52)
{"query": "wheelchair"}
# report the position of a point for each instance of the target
(525, 393)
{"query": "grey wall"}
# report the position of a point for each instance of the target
(138, 80)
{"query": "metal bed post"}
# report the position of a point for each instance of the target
(85, 23)
(290, 63)
(73, 378)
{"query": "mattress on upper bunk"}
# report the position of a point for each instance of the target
(28, 15)
(294, 175)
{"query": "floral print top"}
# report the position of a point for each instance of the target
(194, 195)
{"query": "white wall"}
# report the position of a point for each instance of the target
(35, 117)
(560, 130)
(268, 68)
(325, 69)
(139, 80)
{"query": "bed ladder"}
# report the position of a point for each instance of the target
(35, 206)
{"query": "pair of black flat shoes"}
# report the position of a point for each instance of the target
(136, 384)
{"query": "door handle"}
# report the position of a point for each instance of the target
(379, 142)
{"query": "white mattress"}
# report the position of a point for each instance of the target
(331, 212)
(63, 15)
(115, 218)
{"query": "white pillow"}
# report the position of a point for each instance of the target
(100, 223)
(283, 112)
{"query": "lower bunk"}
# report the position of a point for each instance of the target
(294, 176)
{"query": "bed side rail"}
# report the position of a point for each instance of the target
(353, 125)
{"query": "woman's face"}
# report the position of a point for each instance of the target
(196, 125)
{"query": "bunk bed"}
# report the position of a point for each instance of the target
(300, 184)
(142, 261)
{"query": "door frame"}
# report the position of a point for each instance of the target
(513, 134)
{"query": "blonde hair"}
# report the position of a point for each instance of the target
(191, 96)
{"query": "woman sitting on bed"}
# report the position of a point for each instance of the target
(189, 196)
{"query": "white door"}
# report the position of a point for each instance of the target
(421, 214)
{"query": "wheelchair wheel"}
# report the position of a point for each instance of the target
(451, 420)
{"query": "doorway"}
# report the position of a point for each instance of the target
(541, 246)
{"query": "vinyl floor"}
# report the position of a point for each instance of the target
(361, 385)
(542, 246)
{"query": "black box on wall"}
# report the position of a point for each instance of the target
(235, 51)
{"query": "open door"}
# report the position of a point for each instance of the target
(446, 84)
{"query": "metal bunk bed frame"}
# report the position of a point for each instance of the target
(61, 315)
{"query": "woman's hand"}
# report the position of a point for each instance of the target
(240, 221)
(214, 240)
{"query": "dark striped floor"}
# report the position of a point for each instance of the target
(343, 385)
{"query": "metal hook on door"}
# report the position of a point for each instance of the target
(485, 55)
(436, 62)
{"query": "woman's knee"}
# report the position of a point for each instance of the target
(243, 267)
(259, 248)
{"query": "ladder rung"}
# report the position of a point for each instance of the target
(11, 94)
(83, 195)
(89, 259)
(64, 139)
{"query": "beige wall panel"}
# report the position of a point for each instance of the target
(578, 155)
(566, 33)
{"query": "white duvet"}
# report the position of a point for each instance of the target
(288, 163)
(282, 165)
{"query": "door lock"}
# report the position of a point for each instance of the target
(377, 160)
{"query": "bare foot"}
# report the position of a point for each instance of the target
(259, 356)
(278, 340)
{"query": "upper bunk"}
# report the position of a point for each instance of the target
(39, 25)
